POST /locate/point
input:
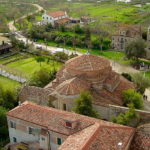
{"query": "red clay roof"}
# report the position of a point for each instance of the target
(72, 86)
(87, 62)
(61, 21)
(50, 118)
(141, 139)
(54, 119)
(56, 14)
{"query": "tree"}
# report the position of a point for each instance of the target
(127, 117)
(42, 77)
(83, 105)
(40, 59)
(141, 82)
(3, 124)
(127, 76)
(88, 37)
(135, 49)
(130, 96)
(8, 98)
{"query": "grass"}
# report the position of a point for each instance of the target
(8, 84)
(29, 65)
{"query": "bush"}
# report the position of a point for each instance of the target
(83, 105)
(60, 56)
(141, 82)
(127, 76)
(127, 117)
(42, 77)
(132, 97)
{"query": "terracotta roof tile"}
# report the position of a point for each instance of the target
(87, 63)
(72, 86)
(60, 21)
(141, 139)
(56, 14)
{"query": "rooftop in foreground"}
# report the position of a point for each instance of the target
(88, 134)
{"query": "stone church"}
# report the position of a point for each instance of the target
(86, 72)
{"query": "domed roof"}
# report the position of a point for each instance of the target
(72, 86)
(87, 62)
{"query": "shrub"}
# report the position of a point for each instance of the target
(127, 117)
(132, 97)
(42, 77)
(83, 105)
(127, 76)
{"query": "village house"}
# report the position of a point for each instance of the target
(5, 48)
(148, 44)
(38, 127)
(55, 18)
(87, 72)
(125, 1)
(126, 33)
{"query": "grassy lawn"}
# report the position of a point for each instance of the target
(30, 65)
(106, 13)
(8, 84)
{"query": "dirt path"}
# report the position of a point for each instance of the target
(11, 24)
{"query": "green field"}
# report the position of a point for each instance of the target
(28, 64)
(108, 13)
(8, 84)
(10, 11)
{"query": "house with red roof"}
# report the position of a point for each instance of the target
(55, 18)
(36, 127)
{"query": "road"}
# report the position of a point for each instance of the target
(20, 37)
(116, 67)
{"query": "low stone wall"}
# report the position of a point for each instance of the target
(116, 110)
(35, 94)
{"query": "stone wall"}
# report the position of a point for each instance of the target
(21, 133)
(34, 94)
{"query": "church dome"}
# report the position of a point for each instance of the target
(87, 63)
(91, 67)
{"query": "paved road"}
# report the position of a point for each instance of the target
(116, 67)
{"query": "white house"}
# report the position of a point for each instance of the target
(56, 17)
(125, 1)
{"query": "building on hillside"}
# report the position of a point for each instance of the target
(86, 72)
(125, 1)
(43, 128)
(148, 38)
(55, 18)
(126, 33)
(148, 44)
(5, 48)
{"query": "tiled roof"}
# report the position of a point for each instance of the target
(72, 86)
(56, 14)
(50, 118)
(115, 97)
(141, 139)
(88, 134)
(98, 137)
(87, 62)
(60, 21)
(117, 137)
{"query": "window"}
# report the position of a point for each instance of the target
(64, 107)
(59, 141)
(14, 139)
(69, 124)
(30, 130)
(12, 124)
(43, 139)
